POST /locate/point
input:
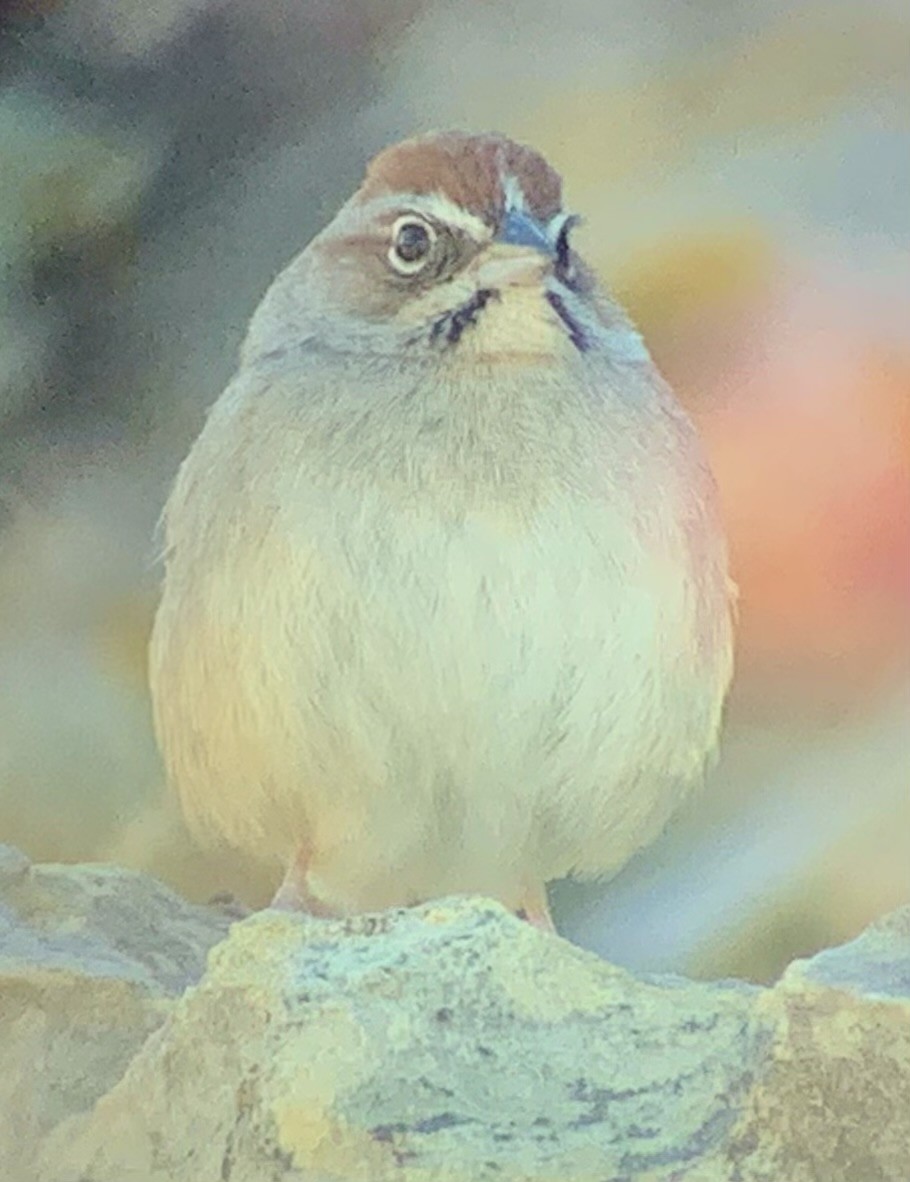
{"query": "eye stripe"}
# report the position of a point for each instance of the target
(435, 207)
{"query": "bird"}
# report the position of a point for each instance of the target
(446, 607)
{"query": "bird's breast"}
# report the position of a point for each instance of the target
(442, 616)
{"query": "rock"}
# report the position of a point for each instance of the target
(446, 1042)
(91, 958)
(832, 1099)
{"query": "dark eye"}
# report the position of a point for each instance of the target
(412, 241)
(564, 268)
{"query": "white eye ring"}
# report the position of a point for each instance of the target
(412, 244)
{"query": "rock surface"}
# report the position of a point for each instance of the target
(448, 1042)
(92, 960)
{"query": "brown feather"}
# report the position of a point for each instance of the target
(469, 170)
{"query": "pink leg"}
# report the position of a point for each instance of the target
(294, 894)
(536, 910)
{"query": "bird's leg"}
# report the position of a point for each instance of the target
(536, 910)
(294, 894)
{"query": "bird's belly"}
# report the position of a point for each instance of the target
(442, 706)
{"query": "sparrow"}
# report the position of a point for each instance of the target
(446, 606)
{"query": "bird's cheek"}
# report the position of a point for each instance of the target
(502, 266)
(424, 307)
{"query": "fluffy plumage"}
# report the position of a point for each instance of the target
(443, 611)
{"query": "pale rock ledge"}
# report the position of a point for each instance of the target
(143, 1038)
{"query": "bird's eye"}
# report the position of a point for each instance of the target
(412, 241)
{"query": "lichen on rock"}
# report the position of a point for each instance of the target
(448, 1041)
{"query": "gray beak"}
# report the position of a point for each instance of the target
(521, 229)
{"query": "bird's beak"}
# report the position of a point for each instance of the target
(521, 229)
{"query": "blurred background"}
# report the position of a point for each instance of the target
(744, 170)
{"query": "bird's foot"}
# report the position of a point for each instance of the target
(536, 911)
(294, 894)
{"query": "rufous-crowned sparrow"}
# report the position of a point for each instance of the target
(446, 606)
